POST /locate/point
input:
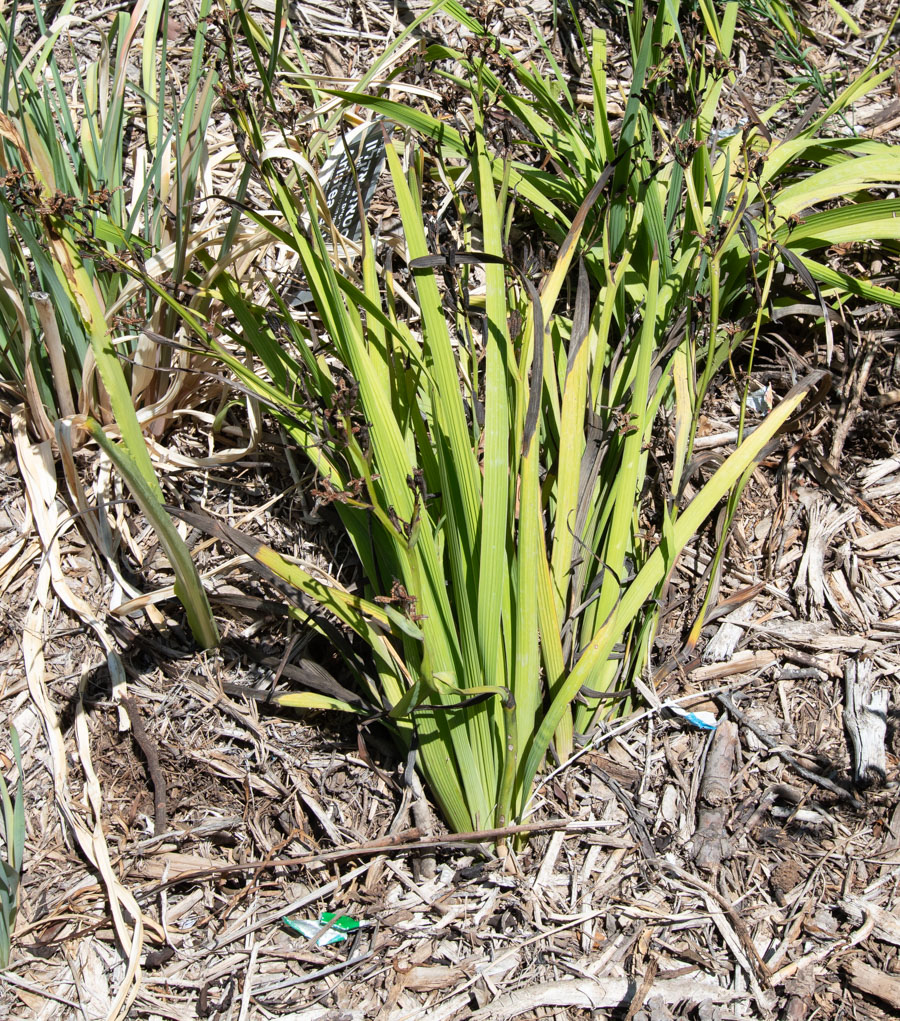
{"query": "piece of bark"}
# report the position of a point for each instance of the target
(875, 540)
(799, 990)
(597, 993)
(865, 720)
(824, 521)
(656, 1010)
(711, 843)
(887, 924)
(873, 981)
(637, 1001)
(809, 585)
(740, 663)
(425, 978)
(732, 629)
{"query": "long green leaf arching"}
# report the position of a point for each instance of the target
(188, 587)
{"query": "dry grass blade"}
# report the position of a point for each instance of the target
(127, 917)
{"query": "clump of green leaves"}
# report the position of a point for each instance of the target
(86, 240)
(488, 453)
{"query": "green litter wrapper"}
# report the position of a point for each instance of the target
(338, 928)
